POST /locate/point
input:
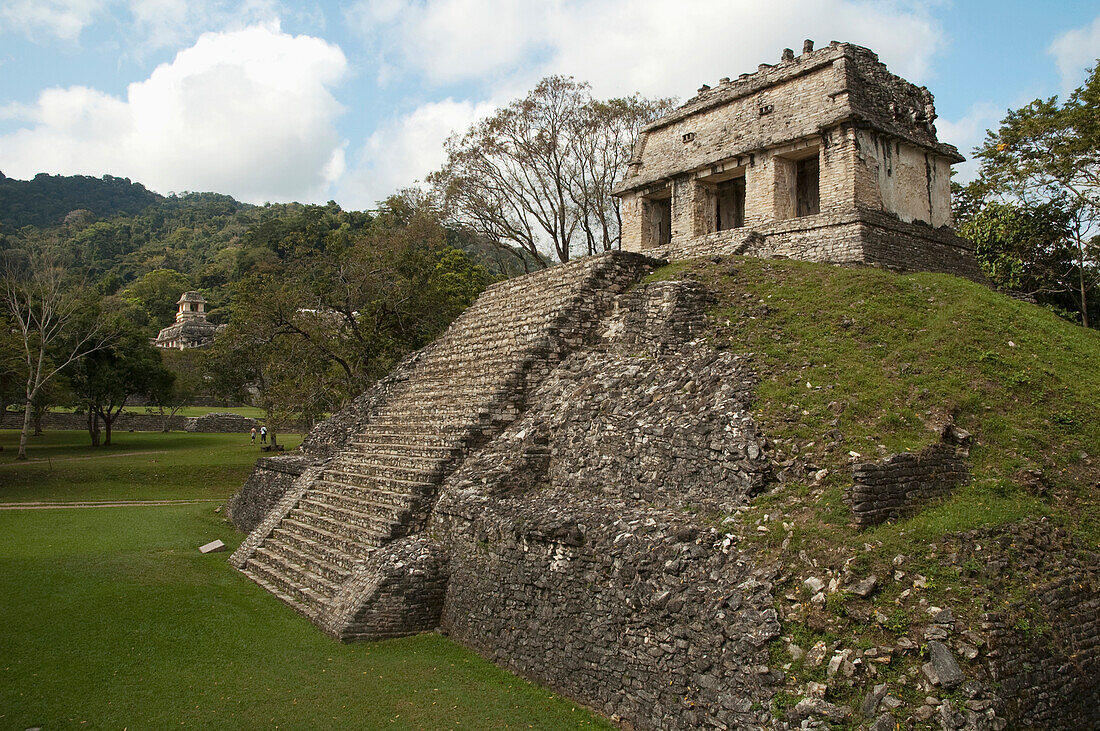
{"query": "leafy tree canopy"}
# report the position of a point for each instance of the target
(1044, 161)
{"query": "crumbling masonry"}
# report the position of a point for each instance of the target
(825, 156)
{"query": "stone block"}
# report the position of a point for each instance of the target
(212, 547)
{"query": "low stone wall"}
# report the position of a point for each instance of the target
(895, 244)
(901, 484)
(271, 478)
(221, 422)
(1044, 635)
(214, 423)
(61, 421)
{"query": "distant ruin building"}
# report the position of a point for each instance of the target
(192, 329)
(826, 156)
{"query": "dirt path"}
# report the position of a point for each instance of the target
(19, 463)
(104, 504)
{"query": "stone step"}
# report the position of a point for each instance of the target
(399, 500)
(408, 451)
(308, 601)
(359, 545)
(262, 577)
(391, 438)
(334, 549)
(385, 456)
(356, 527)
(298, 576)
(391, 479)
(360, 502)
(306, 558)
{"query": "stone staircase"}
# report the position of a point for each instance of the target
(465, 388)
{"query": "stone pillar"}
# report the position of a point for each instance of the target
(759, 206)
(686, 202)
(631, 209)
(837, 183)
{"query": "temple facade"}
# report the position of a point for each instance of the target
(191, 329)
(825, 156)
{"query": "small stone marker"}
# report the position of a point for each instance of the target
(212, 547)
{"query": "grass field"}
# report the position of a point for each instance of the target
(62, 465)
(113, 619)
(253, 411)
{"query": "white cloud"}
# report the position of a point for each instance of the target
(405, 150)
(63, 19)
(621, 46)
(247, 112)
(1074, 51)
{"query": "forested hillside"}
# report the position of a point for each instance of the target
(319, 301)
(47, 199)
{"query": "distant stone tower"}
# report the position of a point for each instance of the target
(192, 329)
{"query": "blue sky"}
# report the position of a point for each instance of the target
(274, 101)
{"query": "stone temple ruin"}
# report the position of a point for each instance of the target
(191, 328)
(535, 482)
(826, 156)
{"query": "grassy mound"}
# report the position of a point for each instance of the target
(866, 361)
(857, 363)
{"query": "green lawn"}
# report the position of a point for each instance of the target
(113, 619)
(138, 465)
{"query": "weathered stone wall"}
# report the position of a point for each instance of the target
(888, 101)
(901, 484)
(894, 244)
(269, 481)
(805, 95)
(858, 237)
(1044, 634)
(221, 422)
(896, 177)
(211, 423)
(405, 582)
(576, 557)
(632, 610)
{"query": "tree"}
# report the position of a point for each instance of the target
(56, 322)
(178, 385)
(12, 367)
(336, 319)
(158, 293)
(1049, 153)
(105, 379)
(1026, 249)
(538, 173)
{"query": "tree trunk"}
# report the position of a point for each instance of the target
(93, 427)
(26, 428)
(1081, 283)
(107, 422)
